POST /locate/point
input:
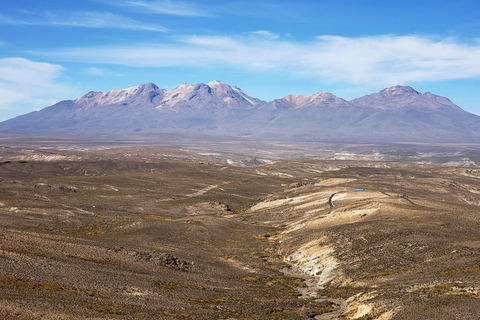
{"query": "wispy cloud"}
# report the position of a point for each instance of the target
(270, 10)
(6, 20)
(168, 7)
(266, 34)
(375, 61)
(94, 71)
(29, 85)
(84, 19)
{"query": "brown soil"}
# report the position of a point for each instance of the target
(153, 233)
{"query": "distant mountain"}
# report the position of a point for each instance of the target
(395, 114)
(415, 117)
(213, 96)
(139, 108)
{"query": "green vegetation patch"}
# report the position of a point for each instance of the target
(173, 285)
(157, 217)
(383, 274)
(43, 285)
(466, 269)
(93, 229)
(276, 284)
(343, 292)
(221, 300)
(452, 289)
(252, 278)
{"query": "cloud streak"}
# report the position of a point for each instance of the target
(375, 61)
(85, 19)
(168, 7)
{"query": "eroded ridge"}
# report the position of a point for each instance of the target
(385, 238)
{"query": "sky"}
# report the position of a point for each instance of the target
(54, 50)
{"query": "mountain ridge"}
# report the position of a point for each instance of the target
(395, 114)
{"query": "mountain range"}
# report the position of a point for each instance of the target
(395, 114)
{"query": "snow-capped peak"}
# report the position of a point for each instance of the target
(134, 94)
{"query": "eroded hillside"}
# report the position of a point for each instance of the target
(397, 241)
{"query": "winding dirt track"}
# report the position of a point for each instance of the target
(330, 200)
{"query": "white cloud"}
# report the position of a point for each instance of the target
(393, 59)
(169, 8)
(85, 19)
(372, 61)
(266, 34)
(90, 19)
(27, 85)
(95, 71)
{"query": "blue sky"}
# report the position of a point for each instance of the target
(53, 50)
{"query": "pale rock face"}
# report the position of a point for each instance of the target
(180, 93)
(398, 90)
(233, 96)
(132, 95)
(297, 99)
(316, 260)
(319, 99)
(215, 94)
(327, 99)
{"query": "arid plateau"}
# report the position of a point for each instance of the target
(161, 233)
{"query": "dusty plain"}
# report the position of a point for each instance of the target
(161, 233)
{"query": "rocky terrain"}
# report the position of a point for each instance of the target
(157, 233)
(217, 110)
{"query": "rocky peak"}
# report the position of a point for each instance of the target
(326, 97)
(216, 84)
(320, 98)
(214, 95)
(399, 90)
(296, 99)
(403, 97)
(145, 93)
(149, 87)
(184, 92)
(233, 96)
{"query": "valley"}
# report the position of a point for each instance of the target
(130, 232)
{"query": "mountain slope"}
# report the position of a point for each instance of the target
(395, 114)
(299, 117)
(412, 114)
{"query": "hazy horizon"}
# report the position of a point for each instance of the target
(56, 51)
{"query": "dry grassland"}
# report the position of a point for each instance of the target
(149, 233)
